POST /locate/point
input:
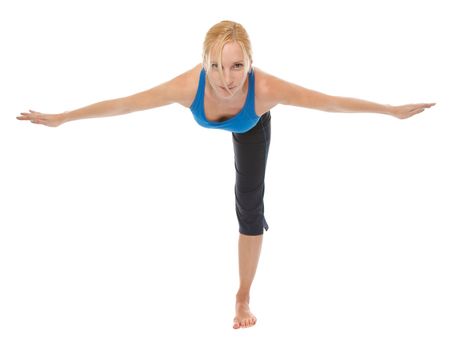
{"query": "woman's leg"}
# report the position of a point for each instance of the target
(249, 253)
(251, 151)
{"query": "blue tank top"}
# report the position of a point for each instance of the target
(245, 120)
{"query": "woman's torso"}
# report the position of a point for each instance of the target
(217, 110)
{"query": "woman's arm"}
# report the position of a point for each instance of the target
(291, 94)
(175, 90)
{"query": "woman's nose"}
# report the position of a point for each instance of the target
(229, 82)
(228, 78)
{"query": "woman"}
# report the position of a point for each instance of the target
(225, 92)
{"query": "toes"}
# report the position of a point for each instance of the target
(236, 323)
(246, 323)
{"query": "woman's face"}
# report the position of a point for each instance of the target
(233, 71)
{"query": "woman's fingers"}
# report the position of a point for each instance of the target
(425, 105)
(418, 108)
(406, 111)
(24, 116)
(43, 119)
(28, 116)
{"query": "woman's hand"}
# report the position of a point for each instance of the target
(406, 111)
(41, 118)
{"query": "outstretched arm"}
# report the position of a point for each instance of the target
(291, 94)
(164, 94)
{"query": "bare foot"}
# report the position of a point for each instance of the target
(243, 317)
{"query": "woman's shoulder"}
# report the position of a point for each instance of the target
(189, 77)
(264, 80)
(265, 87)
(187, 83)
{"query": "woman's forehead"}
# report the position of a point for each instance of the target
(231, 50)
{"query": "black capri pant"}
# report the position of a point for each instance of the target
(250, 155)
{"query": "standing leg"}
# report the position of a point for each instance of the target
(249, 252)
(251, 150)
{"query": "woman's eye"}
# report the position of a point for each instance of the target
(236, 66)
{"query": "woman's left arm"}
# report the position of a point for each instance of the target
(291, 94)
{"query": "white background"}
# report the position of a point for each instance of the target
(120, 232)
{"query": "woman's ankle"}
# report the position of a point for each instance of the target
(243, 296)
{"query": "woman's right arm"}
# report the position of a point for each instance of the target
(173, 91)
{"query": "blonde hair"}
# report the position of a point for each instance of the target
(219, 35)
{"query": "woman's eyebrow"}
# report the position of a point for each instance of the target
(241, 61)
